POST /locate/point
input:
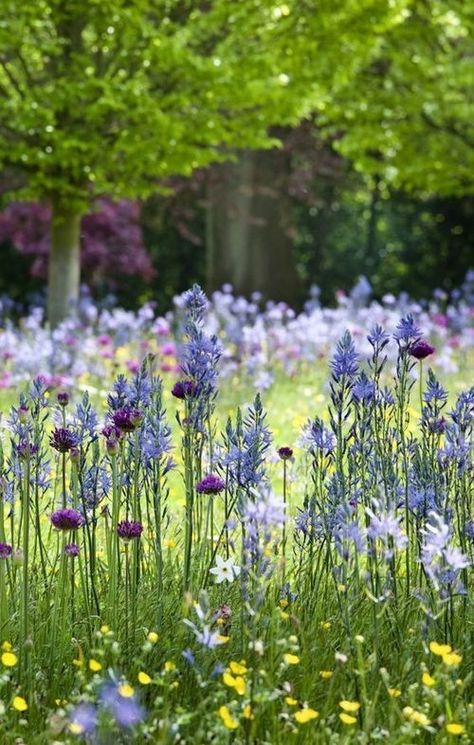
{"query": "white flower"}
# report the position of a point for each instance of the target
(225, 570)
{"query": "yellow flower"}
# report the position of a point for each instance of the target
(455, 729)
(19, 703)
(9, 659)
(238, 668)
(247, 712)
(283, 603)
(78, 663)
(325, 625)
(170, 666)
(305, 715)
(95, 666)
(223, 639)
(349, 705)
(284, 615)
(325, 674)
(104, 629)
(152, 637)
(227, 718)
(347, 718)
(428, 680)
(291, 701)
(440, 649)
(75, 728)
(144, 678)
(6, 646)
(126, 690)
(170, 543)
(452, 659)
(394, 692)
(416, 716)
(291, 659)
(237, 682)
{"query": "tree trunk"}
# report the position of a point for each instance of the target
(64, 267)
(248, 239)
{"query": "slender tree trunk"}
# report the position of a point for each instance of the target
(248, 231)
(64, 266)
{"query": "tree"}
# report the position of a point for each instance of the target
(408, 116)
(111, 96)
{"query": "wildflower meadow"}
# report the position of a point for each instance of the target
(181, 563)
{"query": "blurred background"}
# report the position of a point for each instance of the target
(371, 176)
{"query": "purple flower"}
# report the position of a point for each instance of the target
(127, 419)
(63, 440)
(71, 549)
(26, 449)
(285, 453)
(344, 361)
(125, 709)
(210, 484)
(184, 389)
(420, 349)
(63, 398)
(84, 717)
(5, 550)
(66, 519)
(407, 330)
(128, 530)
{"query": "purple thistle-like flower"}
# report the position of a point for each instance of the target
(63, 440)
(63, 398)
(184, 389)
(210, 484)
(26, 449)
(420, 349)
(66, 519)
(71, 549)
(127, 419)
(129, 530)
(285, 453)
(5, 550)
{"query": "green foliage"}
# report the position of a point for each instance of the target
(111, 96)
(409, 115)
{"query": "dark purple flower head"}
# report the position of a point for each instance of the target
(26, 449)
(128, 530)
(127, 419)
(63, 440)
(71, 549)
(66, 519)
(210, 484)
(63, 398)
(285, 453)
(421, 349)
(5, 550)
(184, 389)
(23, 413)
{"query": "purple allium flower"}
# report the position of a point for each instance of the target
(183, 389)
(128, 530)
(84, 717)
(71, 549)
(127, 419)
(63, 440)
(26, 449)
(66, 519)
(285, 453)
(210, 484)
(63, 398)
(421, 349)
(5, 550)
